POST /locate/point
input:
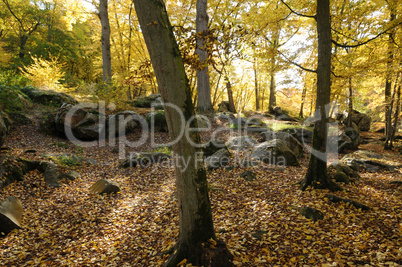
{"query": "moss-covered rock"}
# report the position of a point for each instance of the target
(48, 97)
(275, 152)
(157, 121)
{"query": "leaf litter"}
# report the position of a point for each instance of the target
(68, 226)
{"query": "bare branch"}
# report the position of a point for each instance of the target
(285, 42)
(296, 64)
(299, 14)
(367, 41)
(14, 15)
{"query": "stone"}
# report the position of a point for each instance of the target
(212, 146)
(72, 175)
(202, 122)
(83, 124)
(103, 186)
(225, 116)
(237, 123)
(341, 177)
(48, 97)
(304, 136)
(339, 142)
(311, 213)
(123, 123)
(223, 106)
(241, 143)
(289, 140)
(362, 121)
(275, 152)
(11, 212)
(369, 161)
(343, 168)
(11, 170)
(255, 129)
(354, 136)
(221, 158)
(157, 121)
(154, 100)
(50, 173)
(277, 111)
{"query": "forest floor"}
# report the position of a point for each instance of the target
(69, 226)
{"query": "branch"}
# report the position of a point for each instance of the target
(299, 14)
(296, 64)
(365, 42)
(12, 13)
(282, 44)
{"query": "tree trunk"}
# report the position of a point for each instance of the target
(196, 225)
(105, 39)
(317, 175)
(389, 136)
(232, 107)
(203, 86)
(272, 96)
(397, 110)
(388, 78)
(350, 99)
(304, 93)
(257, 93)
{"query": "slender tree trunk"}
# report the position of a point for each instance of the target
(232, 107)
(388, 79)
(215, 98)
(196, 225)
(388, 138)
(350, 100)
(262, 97)
(397, 110)
(317, 175)
(304, 93)
(203, 86)
(272, 94)
(257, 93)
(105, 39)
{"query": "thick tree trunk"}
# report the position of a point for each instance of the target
(317, 175)
(203, 86)
(105, 39)
(196, 226)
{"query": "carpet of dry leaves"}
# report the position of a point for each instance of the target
(68, 226)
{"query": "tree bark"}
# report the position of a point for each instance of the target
(196, 225)
(396, 117)
(232, 107)
(317, 175)
(105, 39)
(272, 95)
(388, 78)
(257, 93)
(304, 93)
(350, 99)
(203, 86)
